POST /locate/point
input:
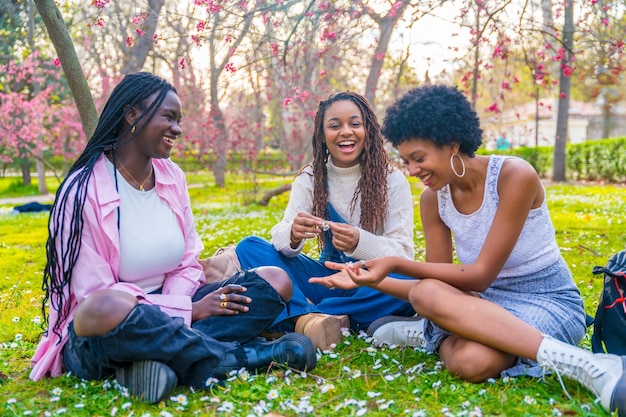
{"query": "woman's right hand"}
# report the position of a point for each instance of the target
(305, 226)
(225, 301)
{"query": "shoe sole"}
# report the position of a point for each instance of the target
(618, 398)
(286, 350)
(150, 381)
(376, 324)
(330, 333)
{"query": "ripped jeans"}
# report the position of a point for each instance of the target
(193, 352)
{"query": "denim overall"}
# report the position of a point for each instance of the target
(363, 305)
(193, 352)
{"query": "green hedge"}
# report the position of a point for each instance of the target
(602, 159)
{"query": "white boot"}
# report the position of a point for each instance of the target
(602, 374)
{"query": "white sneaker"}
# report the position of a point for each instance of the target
(398, 330)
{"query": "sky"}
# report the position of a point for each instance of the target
(430, 41)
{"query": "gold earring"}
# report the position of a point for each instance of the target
(132, 130)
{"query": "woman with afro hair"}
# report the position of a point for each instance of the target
(358, 207)
(510, 305)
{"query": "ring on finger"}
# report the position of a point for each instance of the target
(224, 304)
(362, 263)
(332, 288)
(223, 297)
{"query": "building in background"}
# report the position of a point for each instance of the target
(528, 125)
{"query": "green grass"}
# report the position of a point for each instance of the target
(355, 378)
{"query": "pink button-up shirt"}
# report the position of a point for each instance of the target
(98, 262)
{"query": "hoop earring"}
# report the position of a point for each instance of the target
(462, 174)
(133, 129)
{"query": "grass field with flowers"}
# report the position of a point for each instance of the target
(353, 379)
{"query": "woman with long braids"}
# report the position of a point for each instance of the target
(125, 290)
(358, 207)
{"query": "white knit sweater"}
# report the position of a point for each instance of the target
(395, 237)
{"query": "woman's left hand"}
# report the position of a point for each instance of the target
(352, 275)
(225, 301)
(345, 236)
(339, 280)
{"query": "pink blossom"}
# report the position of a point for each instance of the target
(57, 62)
(286, 101)
(274, 48)
(200, 26)
(230, 67)
(328, 35)
(129, 41)
(563, 96)
(567, 71)
(322, 73)
(182, 63)
(140, 32)
(494, 108)
(101, 3)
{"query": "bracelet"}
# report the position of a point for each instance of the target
(295, 242)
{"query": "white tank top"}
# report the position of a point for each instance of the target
(151, 240)
(536, 247)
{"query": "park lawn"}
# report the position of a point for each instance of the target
(353, 379)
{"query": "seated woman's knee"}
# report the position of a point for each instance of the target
(423, 296)
(471, 364)
(102, 312)
(278, 279)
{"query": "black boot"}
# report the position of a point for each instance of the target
(293, 349)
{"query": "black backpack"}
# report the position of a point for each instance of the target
(609, 327)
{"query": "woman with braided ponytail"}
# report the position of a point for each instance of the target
(126, 293)
(358, 207)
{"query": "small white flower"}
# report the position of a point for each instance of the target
(327, 387)
(18, 337)
(57, 391)
(180, 399)
(16, 319)
(11, 401)
(272, 395)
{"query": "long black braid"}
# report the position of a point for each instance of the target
(374, 160)
(66, 223)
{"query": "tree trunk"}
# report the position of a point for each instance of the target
(221, 145)
(143, 46)
(41, 168)
(41, 177)
(386, 25)
(565, 87)
(57, 31)
(25, 167)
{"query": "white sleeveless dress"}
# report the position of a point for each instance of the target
(535, 283)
